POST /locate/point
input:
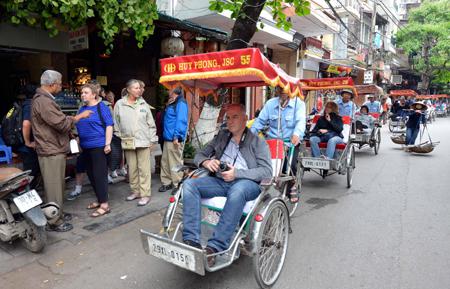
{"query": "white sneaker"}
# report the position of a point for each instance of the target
(110, 180)
(114, 174)
(122, 172)
(73, 195)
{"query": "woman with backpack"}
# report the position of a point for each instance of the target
(95, 135)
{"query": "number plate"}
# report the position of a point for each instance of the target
(27, 201)
(314, 163)
(172, 254)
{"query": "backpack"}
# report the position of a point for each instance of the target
(12, 126)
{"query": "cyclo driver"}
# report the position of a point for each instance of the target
(286, 118)
(238, 160)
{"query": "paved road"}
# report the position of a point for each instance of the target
(390, 230)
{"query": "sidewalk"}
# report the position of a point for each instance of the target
(13, 256)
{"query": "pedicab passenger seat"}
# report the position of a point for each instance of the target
(347, 121)
(217, 203)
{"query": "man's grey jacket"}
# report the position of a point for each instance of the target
(253, 149)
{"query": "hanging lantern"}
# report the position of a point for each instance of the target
(172, 46)
(211, 46)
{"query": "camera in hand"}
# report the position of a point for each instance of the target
(223, 167)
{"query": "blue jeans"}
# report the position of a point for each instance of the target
(237, 192)
(411, 135)
(331, 146)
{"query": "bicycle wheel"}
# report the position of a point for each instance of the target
(271, 246)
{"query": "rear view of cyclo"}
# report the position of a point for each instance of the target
(236, 203)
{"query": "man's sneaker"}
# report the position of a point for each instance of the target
(64, 227)
(165, 188)
(114, 174)
(73, 195)
(193, 244)
(122, 172)
(110, 180)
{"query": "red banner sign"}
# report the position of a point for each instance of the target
(403, 92)
(236, 68)
(327, 82)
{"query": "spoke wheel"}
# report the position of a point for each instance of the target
(391, 126)
(271, 246)
(377, 143)
(350, 166)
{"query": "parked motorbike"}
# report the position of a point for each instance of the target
(21, 216)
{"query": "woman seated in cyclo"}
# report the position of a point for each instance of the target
(327, 129)
(364, 121)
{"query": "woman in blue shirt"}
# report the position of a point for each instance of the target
(95, 135)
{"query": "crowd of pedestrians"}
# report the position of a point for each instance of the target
(105, 130)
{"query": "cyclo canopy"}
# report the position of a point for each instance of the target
(233, 68)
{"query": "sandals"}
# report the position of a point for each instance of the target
(93, 205)
(294, 196)
(100, 212)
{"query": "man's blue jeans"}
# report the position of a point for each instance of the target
(237, 192)
(411, 135)
(331, 146)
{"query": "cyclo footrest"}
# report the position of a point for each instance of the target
(173, 252)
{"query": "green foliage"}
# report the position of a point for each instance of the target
(111, 16)
(276, 7)
(426, 38)
(189, 151)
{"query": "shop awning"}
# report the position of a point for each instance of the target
(232, 68)
(403, 92)
(177, 24)
(369, 89)
(432, 96)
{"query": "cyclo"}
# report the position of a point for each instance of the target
(370, 137)
(344, 161)
(397, 123)
(263, 230)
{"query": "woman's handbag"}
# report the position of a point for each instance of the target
(128, 143)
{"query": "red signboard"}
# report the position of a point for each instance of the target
(321, 83)
(403, 92)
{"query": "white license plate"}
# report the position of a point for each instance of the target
(172, 254)
(316, 164)
(27, 201)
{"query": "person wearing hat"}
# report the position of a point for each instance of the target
(416, 116)
(292, 124)
(373, 105)
(345, 103)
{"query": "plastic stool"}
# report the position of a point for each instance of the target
(5, 154)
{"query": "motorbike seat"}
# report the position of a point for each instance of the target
(9, 173)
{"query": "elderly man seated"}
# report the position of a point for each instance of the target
(248, 162)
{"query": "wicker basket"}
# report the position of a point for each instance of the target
(424, 148)
(399, 139)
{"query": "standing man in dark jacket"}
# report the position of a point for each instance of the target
(174, 134)
(27, 152)
(51, 129)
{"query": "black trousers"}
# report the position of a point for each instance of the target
(97, 171)
(31, 162)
